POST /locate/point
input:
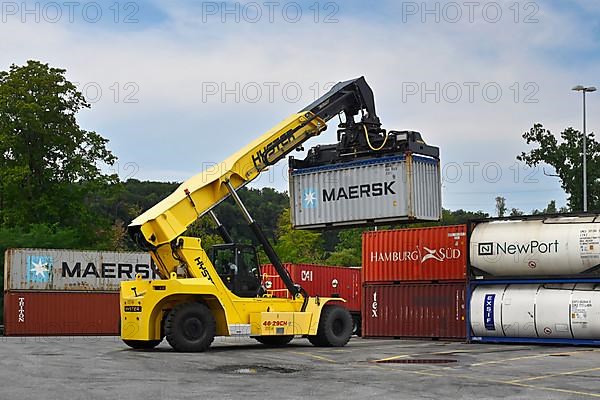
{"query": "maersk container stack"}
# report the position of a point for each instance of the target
(67, 292)
(414, 283)
(535, 279)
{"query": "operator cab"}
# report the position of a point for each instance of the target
(238, 268)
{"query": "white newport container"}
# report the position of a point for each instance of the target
(544, 246)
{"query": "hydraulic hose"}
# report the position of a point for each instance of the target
(369, 141)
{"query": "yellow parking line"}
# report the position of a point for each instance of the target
(387, 368)
(556, 389)
(514, 383)
(315, 356)
(449, 352)
(393, 358)
(528, 357)
(553, 375)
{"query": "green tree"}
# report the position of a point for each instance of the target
(348, 251)
(551, 208)
(50, 168)
(515, 212)
(566, 159)
(500, 206)
(297, 246)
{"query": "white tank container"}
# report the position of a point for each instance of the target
(518, 310)
(549, 311)
(551, 246)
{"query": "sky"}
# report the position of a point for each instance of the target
(177, 85)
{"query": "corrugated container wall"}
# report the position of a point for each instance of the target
(418, 254)
(60, 313)
(414, 310)
(319, 280)
(384, 190)
(71, 270)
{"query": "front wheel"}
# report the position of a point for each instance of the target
(335, 327)
(142, 344)
(190, 327)
(274, 341)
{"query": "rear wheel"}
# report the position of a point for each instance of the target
(190, 327)
(142, 344)
(335, 327)
(274, 341)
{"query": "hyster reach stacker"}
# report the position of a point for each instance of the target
(199, 297)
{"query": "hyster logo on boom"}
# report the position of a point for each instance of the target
(359, 191)
(492, 248)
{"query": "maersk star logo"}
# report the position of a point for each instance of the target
(39, 268)
(309, 198)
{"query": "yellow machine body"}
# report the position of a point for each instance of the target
(144, 304)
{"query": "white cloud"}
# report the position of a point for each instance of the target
(172, 130)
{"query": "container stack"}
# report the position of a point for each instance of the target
(414, 283)
(535, 279)
(67, 292)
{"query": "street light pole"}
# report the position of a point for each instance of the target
(584, 158)
(583, 89)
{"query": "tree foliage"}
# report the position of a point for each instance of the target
(566, 157)
(49, 166)
(297, 246)
(348, 251)
(500, 206)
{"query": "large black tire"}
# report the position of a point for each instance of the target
(274, 341)
(142, 344)
(190, 327)
(335, 327)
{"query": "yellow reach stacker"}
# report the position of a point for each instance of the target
(199, 297)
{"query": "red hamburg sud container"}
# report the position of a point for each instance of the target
(417, 254)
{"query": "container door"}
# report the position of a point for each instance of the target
(486, 310)
(518, 311)
(552, 314)
(585, 311)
